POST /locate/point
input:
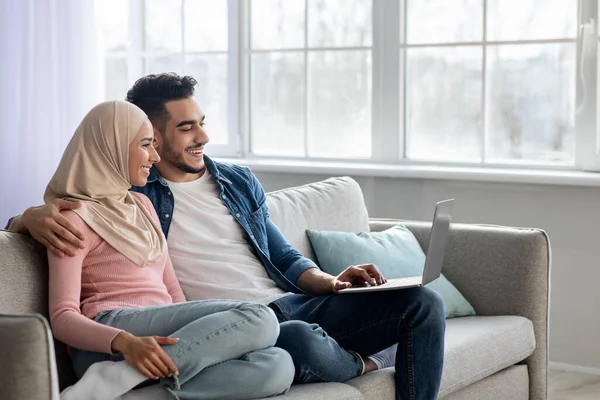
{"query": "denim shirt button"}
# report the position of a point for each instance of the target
(168, 193)
(252, 237)
(224, 197)
(166, 215)
(237, 215)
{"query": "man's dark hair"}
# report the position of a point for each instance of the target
(151, 92)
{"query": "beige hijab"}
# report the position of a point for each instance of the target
(94, 169)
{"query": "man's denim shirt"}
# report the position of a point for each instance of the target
(245, 198)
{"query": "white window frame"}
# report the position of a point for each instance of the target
(387, 136)
(587, 131)
(246, 53)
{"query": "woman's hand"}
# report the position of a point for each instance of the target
(146, 354)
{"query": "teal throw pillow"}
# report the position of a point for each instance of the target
(395, 251)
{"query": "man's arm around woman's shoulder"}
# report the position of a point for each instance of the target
(50, 227)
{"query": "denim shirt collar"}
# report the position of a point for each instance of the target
(210, 166)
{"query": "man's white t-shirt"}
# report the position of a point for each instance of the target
(210, 254)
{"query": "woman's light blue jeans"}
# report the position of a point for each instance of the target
(224, 350)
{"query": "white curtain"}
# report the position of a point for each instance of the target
(49, 78)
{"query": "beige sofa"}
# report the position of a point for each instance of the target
(499, 354)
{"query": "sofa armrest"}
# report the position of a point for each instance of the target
(501, 271)
(27, 353)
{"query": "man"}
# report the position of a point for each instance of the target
(223, 245)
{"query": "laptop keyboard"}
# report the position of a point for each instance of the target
(391, 284)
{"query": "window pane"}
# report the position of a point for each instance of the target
(277, 104)
(443, 103)
(337, 23)
(339, 104)
(211, 73)
(163, 25)
(277, 24)
(444, 21)
(205, 25)
(115, 75)
(155, 65)
(531, 102)
(531, 19)
(113, 21)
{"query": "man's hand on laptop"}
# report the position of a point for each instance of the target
(358, 275)
(52, 229)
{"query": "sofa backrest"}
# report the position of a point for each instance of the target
(24, 279)
(335, 204)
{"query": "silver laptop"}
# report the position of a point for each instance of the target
(433, 260)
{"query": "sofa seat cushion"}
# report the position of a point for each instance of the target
(321, 391)
(476, 347)
(510, 383)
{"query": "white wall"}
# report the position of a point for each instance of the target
(570, 215)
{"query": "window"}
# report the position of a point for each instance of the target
(310, 78)
(469, 82)
(189, 37)
(491, 81)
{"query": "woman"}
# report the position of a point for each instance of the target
(118, 297)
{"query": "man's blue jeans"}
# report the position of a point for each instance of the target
(324, 333)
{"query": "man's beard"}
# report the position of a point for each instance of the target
(176, 159)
